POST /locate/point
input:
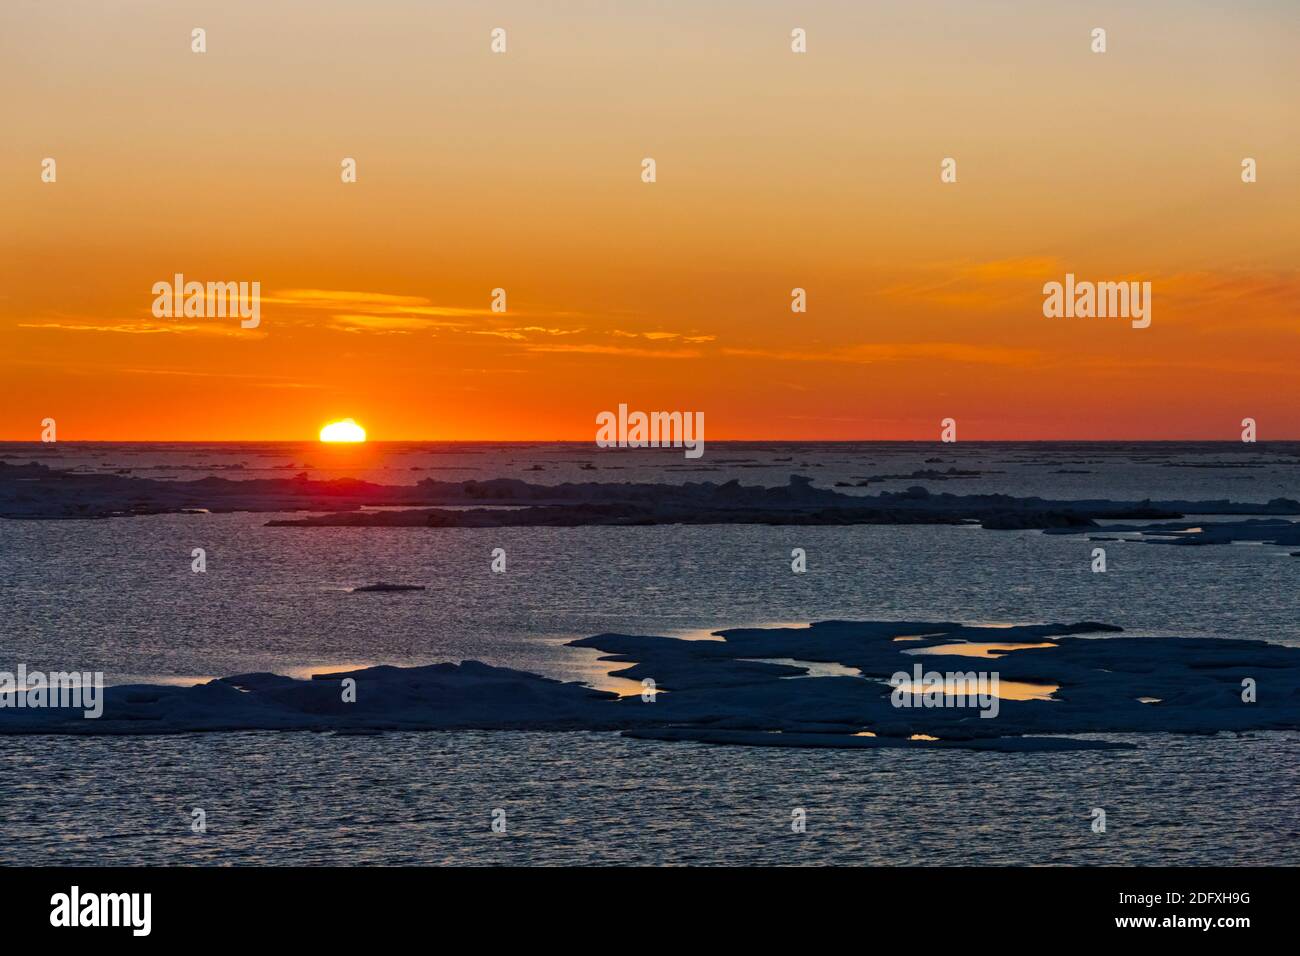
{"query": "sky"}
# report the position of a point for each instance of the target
(774, 171)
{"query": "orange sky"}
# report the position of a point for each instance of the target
(775, 170)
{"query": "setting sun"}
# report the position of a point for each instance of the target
(343, 431)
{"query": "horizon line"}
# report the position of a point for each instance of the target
(590, 441)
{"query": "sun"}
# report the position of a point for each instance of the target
(345, 430)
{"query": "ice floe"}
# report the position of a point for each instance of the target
(735, 691)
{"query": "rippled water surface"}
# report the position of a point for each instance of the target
(578, 798)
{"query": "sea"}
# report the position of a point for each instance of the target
(119, 596)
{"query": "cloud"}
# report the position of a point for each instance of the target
(379, 323)
(977, 285)
(385, 313)
(333, 298)
(657, 336)
(133, 328)
(1231, 300)
(874, 353)
(375, 312)
(255, 379)
(597, 349)
(521, 334)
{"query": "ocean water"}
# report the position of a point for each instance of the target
(583, 798)
(118, 596)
